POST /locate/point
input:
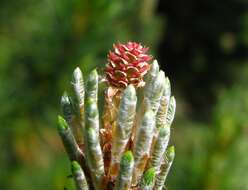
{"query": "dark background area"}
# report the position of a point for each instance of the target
(201, 45)
(200, 48)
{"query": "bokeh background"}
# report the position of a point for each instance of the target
(201, 44)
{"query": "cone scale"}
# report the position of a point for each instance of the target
(127, 64)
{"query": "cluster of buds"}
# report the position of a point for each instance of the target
(132, 152)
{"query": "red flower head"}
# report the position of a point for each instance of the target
(127, 64)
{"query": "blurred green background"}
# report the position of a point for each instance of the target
(201, 45)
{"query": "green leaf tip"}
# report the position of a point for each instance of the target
(170, 153)
(66, 105)
(79, 177)
(149, 177)
(154, 67)
(167, 86)
(127, 157)
(93, 76)
(94, 72)
(153, 72)
(62, 124)
(77, 75)
(160, 83)
(167, 82)
(173, 102)
(154, 89)
(161, 76)
(65, 98)
(75, 166)
(91, 90)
